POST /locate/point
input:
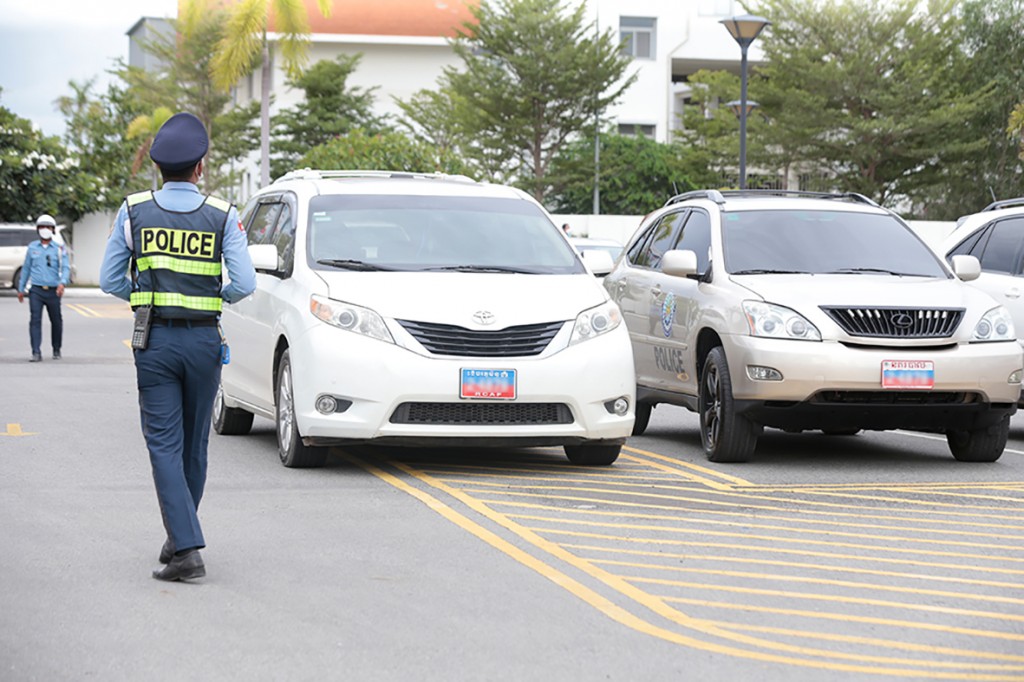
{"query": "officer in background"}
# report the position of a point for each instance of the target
(47, 267)
(171, 243)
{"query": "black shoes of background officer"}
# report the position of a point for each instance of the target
(56, 355)
(167, 552)
(36, 357)
(187, 566)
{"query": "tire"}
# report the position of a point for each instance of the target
(16, 278)
(725, 435)
(229, 421)
(643, 418)
(293, 452)
(980, 445)
(840, 432)
(592, 454)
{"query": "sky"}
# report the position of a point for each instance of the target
(44, 44)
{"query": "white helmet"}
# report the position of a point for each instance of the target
(47, 220)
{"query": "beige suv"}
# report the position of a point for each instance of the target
(806, 311)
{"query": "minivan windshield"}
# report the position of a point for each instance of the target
(824, 242)
(435, 233)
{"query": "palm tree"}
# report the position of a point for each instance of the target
(146, 127)
(245, 38)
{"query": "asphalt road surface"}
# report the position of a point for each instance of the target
(875, 556)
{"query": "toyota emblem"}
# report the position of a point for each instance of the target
(483, 317)
(902, 320)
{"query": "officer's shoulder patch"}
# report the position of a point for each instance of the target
(139, 197)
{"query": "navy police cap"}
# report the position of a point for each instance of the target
(180, 143)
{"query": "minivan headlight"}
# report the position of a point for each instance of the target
(778, 322)
(352, 318)
(594, 322)
(995, 325)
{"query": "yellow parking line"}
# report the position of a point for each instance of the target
(704, 471)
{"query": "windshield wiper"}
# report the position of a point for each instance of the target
(842, 271)
(349, 264)
(480, 268)
(770, 272)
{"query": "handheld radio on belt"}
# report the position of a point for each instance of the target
(143, 314)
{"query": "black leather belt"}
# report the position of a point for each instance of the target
(182, 322)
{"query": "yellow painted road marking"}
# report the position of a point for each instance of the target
(704, 471)
(15, 430)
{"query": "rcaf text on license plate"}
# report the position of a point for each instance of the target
(904, 374)
(488, 383)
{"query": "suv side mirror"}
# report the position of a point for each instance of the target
(599, 262)
(264, 257)
(680, 263)
(966, 268)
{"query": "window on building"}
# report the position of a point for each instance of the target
(637, 129)
(637, 36)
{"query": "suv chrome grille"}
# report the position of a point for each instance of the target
(482, 414)
(445, 339)
(897, 323)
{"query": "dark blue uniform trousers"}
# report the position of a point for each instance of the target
(37, 300)
(178, 375)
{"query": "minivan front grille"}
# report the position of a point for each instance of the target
(445, 339)
(482, 414)
(897, 323)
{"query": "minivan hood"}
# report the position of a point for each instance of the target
(802, 292)
(454, 297)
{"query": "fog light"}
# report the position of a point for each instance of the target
(326, 404)
(758, 373)
(619, 406)
(1015, 376)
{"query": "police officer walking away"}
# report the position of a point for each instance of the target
(171, 243)
(46, 266)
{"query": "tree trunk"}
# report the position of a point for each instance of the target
(265, 116)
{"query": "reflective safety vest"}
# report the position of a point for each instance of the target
(177, 256)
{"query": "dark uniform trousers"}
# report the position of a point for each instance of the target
(178, 374)
(39, 298)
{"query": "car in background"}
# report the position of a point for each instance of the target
(804, 311)
(14, 241)
(587, 246)
(995, 236)
(416, 310)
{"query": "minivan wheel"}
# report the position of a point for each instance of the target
(229, 421)
(592, 454)
(725, 435)
(980, 445)
(643, 418)
(17, 278)
(293, 452)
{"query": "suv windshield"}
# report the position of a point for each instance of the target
(819, 242)
(418, 233)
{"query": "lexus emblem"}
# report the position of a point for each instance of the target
(902, 320)
(483, 317)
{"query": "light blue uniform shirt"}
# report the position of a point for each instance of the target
(45, 266)
(179, 196)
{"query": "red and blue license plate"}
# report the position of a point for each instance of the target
(497, 384)
(904, 374)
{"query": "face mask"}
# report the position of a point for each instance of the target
(46, 233)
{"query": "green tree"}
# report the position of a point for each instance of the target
(39, 175)
(875, 92)
(388, 150)
(637, 175)
(245, 42)
(144, 128)
(330, 108)
(534, 76)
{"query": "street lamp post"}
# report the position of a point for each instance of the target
(744, 29)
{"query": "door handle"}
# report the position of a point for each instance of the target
(1013, 292)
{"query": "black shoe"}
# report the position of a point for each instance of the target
(167, 552)
(185, 567)
(36, 357)
(56, 355)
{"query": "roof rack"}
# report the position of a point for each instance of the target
(1005, 203)
(718, 196)
(313, 174)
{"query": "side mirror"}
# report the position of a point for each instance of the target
(264, 256)
(679, 263)
(598, 262)
(967, 268)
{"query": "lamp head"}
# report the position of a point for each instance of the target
(745, 28)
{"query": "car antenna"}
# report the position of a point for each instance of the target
(992, 193)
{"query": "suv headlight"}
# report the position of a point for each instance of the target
(995, 325)
(778, 322)
(595, 322)
(349, 317)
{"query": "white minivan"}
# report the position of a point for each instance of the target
(421, 309)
